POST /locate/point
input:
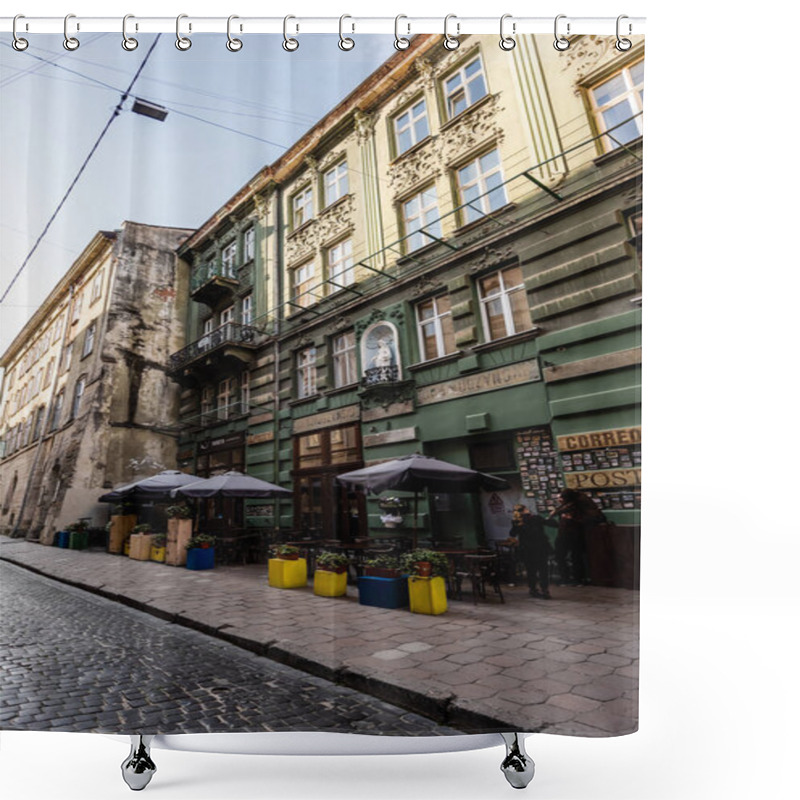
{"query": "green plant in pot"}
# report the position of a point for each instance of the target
(159, 540)
(287, 552)
(145, 527)
(332, 562)
(78, 527)
(179, 512)
(384, 566)
(425, 563)
(202, 541)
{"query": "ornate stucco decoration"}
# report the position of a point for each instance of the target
(301, 244)
(335, 220)
(583, 55)
(312, 163)
(426, 285)
(340, 323)
(331, 158)
(418, 167)
(365, 125)
(427, 72)
(475, 126)
(493, 257)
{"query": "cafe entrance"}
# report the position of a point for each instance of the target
(322, 508)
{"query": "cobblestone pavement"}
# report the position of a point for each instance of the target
(76, 662)
(568, 665)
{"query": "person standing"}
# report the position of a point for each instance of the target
(578, 516)
(534, 548)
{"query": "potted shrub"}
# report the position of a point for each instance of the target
(140, 542)
(330, 577)
(383, 567)
(76, 536)
(179, 531)
(426, 587)
(158, 547)
(200, 552)
(425, 563)
(382, 583)
(287, 552)
(393, 509)
(286, 570)
(121, 524)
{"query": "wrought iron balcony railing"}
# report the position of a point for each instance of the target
(231, 333)
(203, 273)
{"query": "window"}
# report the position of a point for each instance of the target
(244, 391)
(48, 374)
(634, 222)
(344, 359)
(504, 305)
(88, 340)
(616, 100)
(224, 395)
(76, 308)
(421, 211)
(97, 287)
(208, 326)
(335, 182)
(226, 316)
(411, 126)
(76, 398)
(37, 428)
(302, 283)
(480, 183)
(68, 356)
(249, 244)
(435, 326)
(302, 207)
(464, 87)
(207, 401)
(307, 372)
(340, 264)
(26, 431)
(229, 261)
(247, 309)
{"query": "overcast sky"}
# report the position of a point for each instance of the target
(229, 115)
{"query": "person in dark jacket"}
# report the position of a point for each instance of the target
(534, 548)
(578, 516)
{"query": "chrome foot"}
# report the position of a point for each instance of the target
(517, 766)
(138, 768)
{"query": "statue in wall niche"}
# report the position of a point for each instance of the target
(379, 353)
(384, 357)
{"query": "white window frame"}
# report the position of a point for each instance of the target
(208, 326)
(88, 339)
(303, 278)
(97, 287)
(436, 320)
(421, 216)
(244, 391)
(80, 388)
(306, 372)
(465, 88)
(76, 307)
(411, 125)
(249, 242)
(207, 400)
(229, 260)
(340, 264)
(224, 394)
(345, 367)
(247, 309)
(503, 295)
(335, 182)
(302, 207)
(226, 315)
(632, 95)
(68, 356)
(485, 205)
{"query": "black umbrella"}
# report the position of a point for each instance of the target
(231, 484)
(416, 473)
(156, 486)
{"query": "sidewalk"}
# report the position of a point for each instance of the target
(568, 665)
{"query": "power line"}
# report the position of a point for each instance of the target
(75, 180)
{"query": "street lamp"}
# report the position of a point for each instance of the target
(148, 109)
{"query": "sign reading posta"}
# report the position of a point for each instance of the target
(619, 437)
(614, 445)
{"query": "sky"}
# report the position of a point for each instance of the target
(229, 115)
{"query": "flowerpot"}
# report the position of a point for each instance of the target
(121, 526)
(427, 595)
(140, 546)
(62, 539)
(287, 573)
(158, 553)
(126, 547)
(198, 558)
(179, 531)
(78, 540)
(328, 583)
(382, 592)
(290, 557)
(424, 569)
(381, 572)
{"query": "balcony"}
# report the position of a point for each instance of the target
(212, 282)
(231, 345)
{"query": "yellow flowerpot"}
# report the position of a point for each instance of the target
(121, 526)
(427, 595)
(330, 584)
(158, 553)
(285, 574)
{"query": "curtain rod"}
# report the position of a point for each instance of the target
(405, 25)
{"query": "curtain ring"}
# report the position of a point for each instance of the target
(289, 44)
(19, 44)
(345, 43)
(507, 42)
(623, 45)
(181, 42)
(401, 43)
(560, 42)
(451, 42)
(128, 42)
(70, 42)
(234, 45)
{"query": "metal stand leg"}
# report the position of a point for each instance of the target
(518, 766)
(138, 768)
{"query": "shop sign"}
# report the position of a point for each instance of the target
(390, 437)
(603, 479)
(501, 378)
(221, 443)
(618, 437)
(258, 438)
(327, 419)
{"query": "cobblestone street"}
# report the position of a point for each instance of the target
(72, 661)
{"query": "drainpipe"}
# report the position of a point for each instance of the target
(48, 411)
(278, 281)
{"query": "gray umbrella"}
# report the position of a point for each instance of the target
(156, 486)
(231, 484)
(416, 473)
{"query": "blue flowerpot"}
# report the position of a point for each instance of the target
(62, 539)
(200, 558)
(383, 592)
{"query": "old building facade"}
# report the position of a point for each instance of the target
(86, 403)
(450, 263)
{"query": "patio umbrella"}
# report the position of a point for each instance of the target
(231, 484)
(160, 485)
(416, 473)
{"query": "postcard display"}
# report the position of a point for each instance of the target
(439, 253)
